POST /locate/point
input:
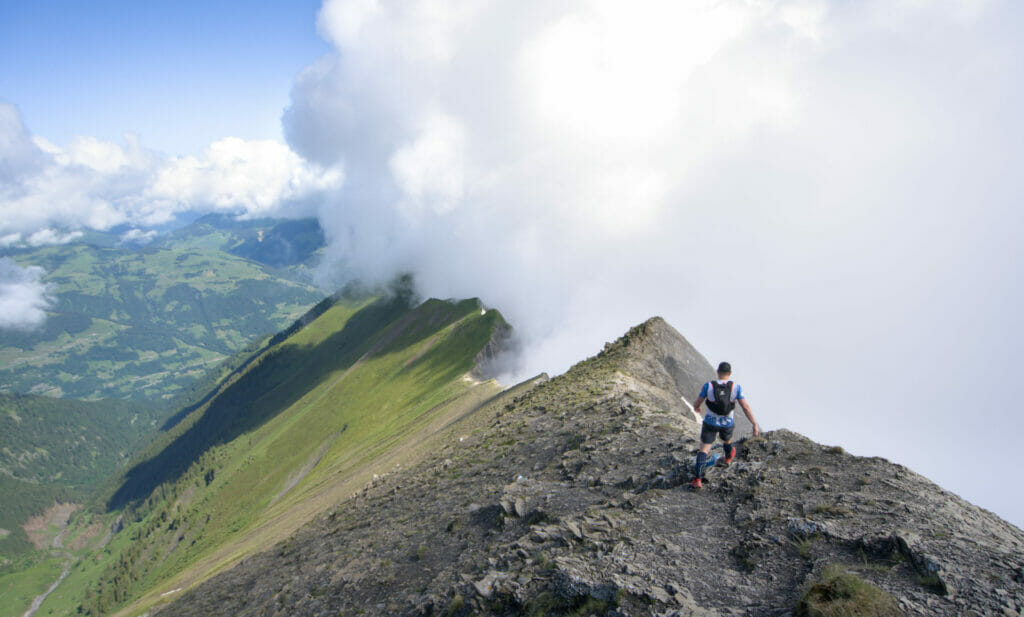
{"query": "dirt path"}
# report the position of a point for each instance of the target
(40, 599)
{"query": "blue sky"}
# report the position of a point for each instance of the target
(178, 74)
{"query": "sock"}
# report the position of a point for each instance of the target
(727, 448)
(701, 459)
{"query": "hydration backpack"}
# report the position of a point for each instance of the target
(723, 403)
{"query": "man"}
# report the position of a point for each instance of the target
(721, 396)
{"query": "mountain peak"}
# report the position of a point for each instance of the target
(656, 352)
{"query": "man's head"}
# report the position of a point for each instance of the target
(724, 370)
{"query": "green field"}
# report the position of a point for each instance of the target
(143, 323)
(22, 581)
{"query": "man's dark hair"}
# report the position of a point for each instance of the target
(724, 367)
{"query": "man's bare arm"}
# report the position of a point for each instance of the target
(695, 408)
(750, 416)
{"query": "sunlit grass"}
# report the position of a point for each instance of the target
(18, 587)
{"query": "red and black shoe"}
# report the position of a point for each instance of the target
(731, 456)
(697, 484)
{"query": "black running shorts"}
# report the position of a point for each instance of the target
(708, 433)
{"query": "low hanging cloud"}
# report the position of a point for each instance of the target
(46, 237)
(262, 178)
(137, 236)
(823, 192)
(23, 296)
(89, 183)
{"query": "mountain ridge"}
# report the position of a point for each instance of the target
(570, 498)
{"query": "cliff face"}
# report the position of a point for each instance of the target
(570, 496)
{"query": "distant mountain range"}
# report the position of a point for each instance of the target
(144, 322)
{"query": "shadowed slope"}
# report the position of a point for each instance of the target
(272, 382)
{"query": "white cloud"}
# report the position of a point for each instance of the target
(342, 22)
(45, 237)
(138, 236)
(23, 296)
(429, 170)
(96, 184)
(822, 192)
(19, 155)
(257, 177)
(100, 156)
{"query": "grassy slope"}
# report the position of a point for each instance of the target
(353, 401)
(143, 323)
(21, 583)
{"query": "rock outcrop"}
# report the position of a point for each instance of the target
(572, 497)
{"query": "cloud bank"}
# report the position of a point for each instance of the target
(23, 296)
(89, 183)
(823, 193)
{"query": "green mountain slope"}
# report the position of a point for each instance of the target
(145, 322)
(285, 244)
(303, 424)
(289, 244)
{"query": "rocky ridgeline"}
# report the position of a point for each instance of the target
(571, 498)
